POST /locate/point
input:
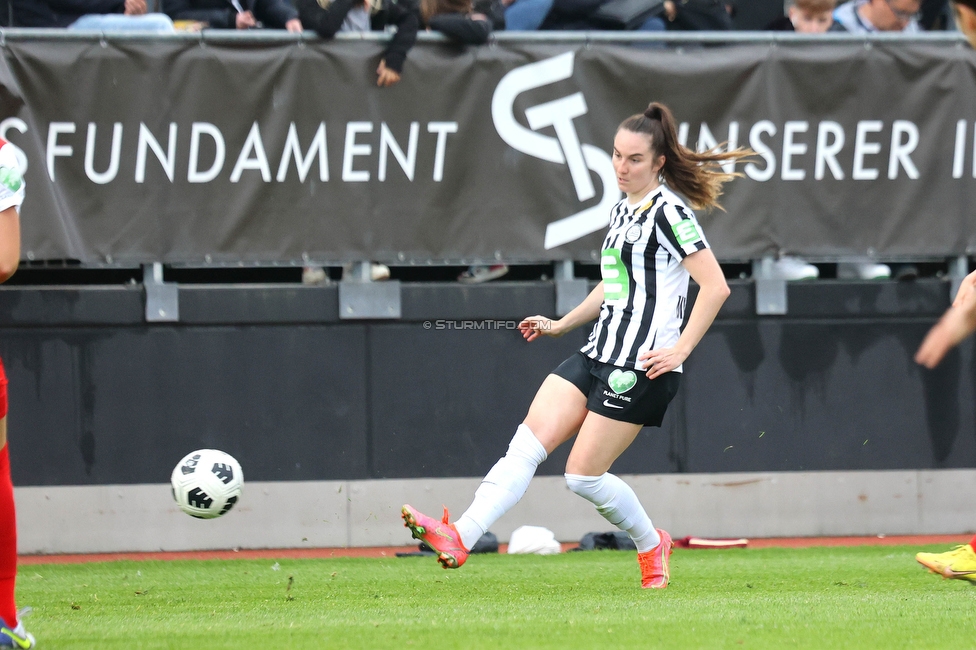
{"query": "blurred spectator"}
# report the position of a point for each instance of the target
(863, 16)
(328, 17)
(519, 15)
(965, 15)
(232, 14)
(641, 15)
(457, 20)
(807, 17)
(26, 13)
(699, 15)
(105, 15)
(495, 11)
(935, 15)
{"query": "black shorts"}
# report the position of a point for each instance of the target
(632, 398)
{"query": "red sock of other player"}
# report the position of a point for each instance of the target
(972, 544)
(8, 542)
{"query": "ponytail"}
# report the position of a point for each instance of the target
(698, 176)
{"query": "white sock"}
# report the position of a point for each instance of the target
(502, 487)
(616, 501)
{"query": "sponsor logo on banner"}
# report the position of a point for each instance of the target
(564, 149)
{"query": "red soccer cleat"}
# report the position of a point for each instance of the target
(441, 536)
(654, 563)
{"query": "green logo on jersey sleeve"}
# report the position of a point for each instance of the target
(10, 178)
(616, 280)
(685, 232)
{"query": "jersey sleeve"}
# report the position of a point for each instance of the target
(11, 179)
(679, 230)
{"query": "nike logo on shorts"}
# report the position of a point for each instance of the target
(609, 405)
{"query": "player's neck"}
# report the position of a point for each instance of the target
(636, 197)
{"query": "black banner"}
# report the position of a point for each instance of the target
(181, 151)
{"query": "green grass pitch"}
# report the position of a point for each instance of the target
(854, 597)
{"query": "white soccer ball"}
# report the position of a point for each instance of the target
(207, 483)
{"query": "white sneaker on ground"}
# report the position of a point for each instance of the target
(793, 268)
(863, 271)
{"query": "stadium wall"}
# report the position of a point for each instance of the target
(816, 422)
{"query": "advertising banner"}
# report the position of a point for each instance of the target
(174, 150)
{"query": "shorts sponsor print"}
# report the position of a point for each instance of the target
(621, 394)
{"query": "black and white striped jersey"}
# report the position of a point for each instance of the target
(645, 288)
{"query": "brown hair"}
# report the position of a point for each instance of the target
(698, 176)
(814, 6)
(431, 8)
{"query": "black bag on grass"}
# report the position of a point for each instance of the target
(618, 540)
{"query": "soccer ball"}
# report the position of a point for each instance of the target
(207, 483)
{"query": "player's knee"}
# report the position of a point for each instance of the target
(526, 445)
(587, 487)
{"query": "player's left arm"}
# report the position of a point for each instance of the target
(713, 290)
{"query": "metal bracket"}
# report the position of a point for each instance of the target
(361, 298)
(570, 290)
(770, 290)
(958, 270)
(162, 299)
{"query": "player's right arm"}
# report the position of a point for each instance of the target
(535, 326)
(956, 324)
(9, 242)
(11, 196)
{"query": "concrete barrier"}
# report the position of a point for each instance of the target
(296, 514)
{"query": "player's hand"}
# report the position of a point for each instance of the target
(955, 325)
(386, 77)
(658, 362)
(245, 20)
(294, 25)
(535, 326)
(135, 7)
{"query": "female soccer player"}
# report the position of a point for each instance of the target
(628, 371)
(12, 631)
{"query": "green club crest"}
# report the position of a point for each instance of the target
(10, 178)
(620, 381)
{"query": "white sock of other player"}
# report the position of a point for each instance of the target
(618, 503)
(502, 487)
